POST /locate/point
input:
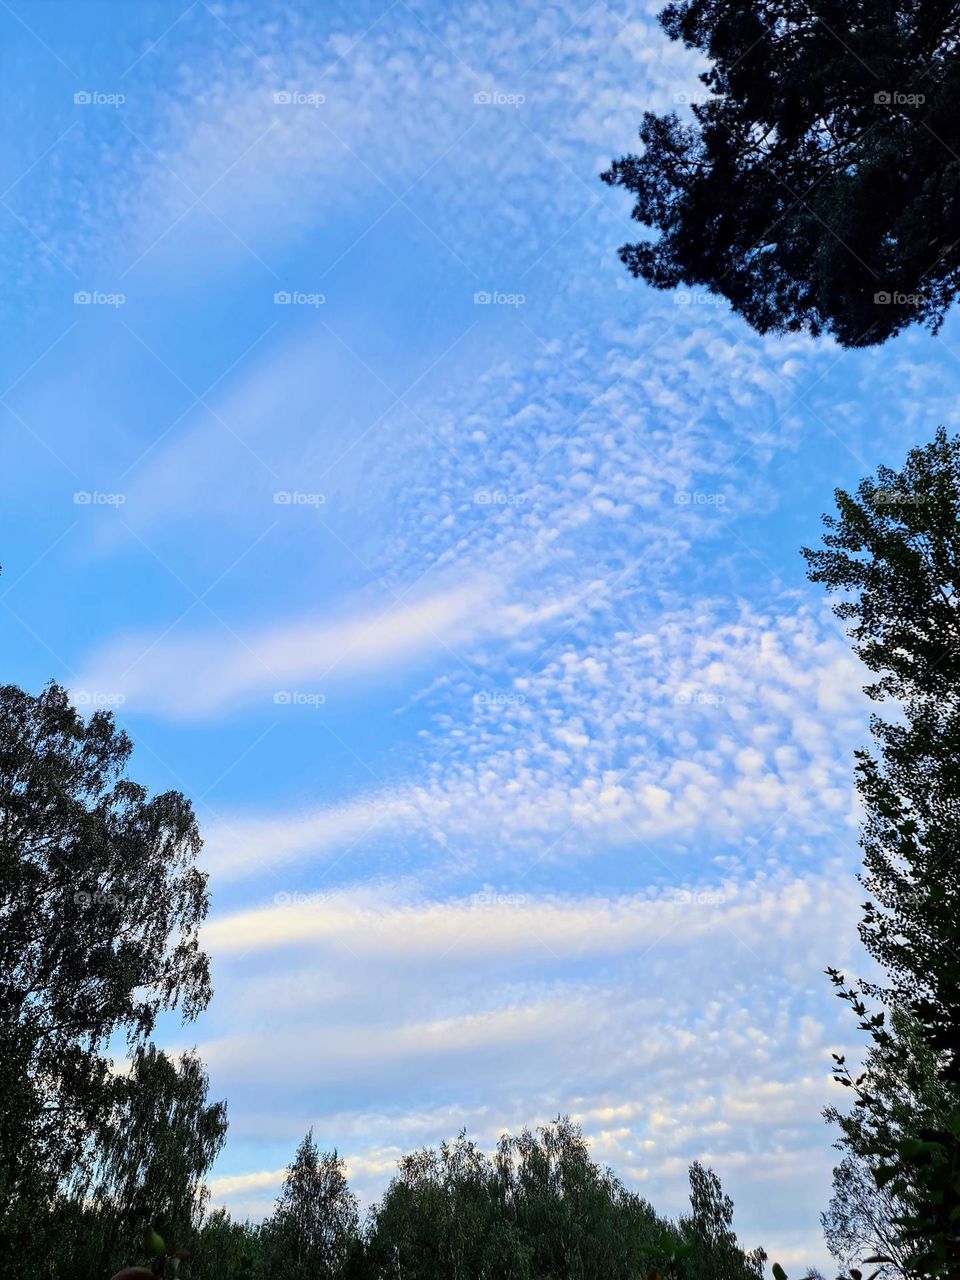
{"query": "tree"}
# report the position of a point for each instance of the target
(862, 1218)
(860, 1221)
(153, 1151)
(311, 1232)
(715, 1252)
(894, 551)
(227, 1250)
(539, 1209)
(817, 186)
(100, 903)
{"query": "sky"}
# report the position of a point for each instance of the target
(451, 573)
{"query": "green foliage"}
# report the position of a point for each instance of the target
(539, 1208)
(227, 1250)
(863, 1213)
(894, 551)
(714, 1251)
(315, 1222)
(100, 904)
(153, 1150)
(816, 186)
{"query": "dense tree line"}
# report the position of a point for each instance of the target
(537, 1208)
(893, 552)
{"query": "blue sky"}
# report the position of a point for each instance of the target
(461, 591)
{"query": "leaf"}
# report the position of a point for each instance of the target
(153, 1243)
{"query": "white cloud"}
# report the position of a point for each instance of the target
(491, 924)
(702, 724)
(204, 672)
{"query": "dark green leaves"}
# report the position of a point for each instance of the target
(816, 187)
(100, 906)
(893, 554)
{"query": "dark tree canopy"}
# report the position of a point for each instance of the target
(100, 904)
(541, 1209)
(315, 1222)
(818, 186)
(893, 552)
(153, 1150)
(862, 1218)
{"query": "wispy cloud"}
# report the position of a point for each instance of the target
(202, 673)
